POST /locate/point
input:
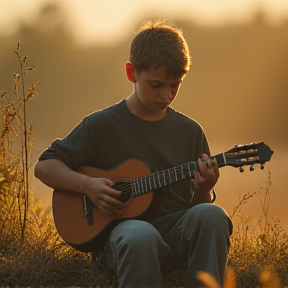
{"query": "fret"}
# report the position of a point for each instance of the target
(150, 182)
(141, 181)
(192, 167)
(132, 188)
(145, 185)
(142, 186)
(134, 185)
(138, 187)
(152, 178)
(189, 171)
(175, 172)
(169, 175)
(186, 172)
(159, 180)
(164, 178)
(182, 171)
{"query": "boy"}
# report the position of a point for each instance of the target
(186, 230)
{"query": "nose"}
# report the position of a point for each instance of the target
(166, 94)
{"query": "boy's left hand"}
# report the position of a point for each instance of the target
(207, 176)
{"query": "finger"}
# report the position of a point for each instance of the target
(112, 201)
(109, 190)
(108, 182)
(202, 163)
(208, 170)
(196, 177)
(110, 206)
(202, 167)
(209, 163)
(214, 162)
(113, 193)
(216, 171)
(201, 171)
(214, 166)
(207, 160)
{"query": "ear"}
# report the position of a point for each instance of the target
(130, 72)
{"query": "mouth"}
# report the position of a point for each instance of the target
(162, 104)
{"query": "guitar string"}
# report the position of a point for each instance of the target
(125, 187)
(178, 172)
(153, 175)
(138, 181)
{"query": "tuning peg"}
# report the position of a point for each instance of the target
(251, 168)
(262, 166)
(241, 169)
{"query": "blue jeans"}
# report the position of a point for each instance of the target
(199, 241)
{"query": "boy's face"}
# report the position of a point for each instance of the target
(153, 93)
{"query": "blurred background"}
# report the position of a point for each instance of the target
(237, 88)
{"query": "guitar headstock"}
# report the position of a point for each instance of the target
(246, 154)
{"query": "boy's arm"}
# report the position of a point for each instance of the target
(57, 175)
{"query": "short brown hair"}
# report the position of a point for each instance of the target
(158, 43)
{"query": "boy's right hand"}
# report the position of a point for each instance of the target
(99, 191)
(57, 175)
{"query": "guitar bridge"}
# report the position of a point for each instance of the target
(88, 210)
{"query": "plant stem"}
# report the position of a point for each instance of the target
(24, 150)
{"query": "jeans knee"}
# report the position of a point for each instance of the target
(213, 216)
(137, 234)
(211, 210)
(130, 242)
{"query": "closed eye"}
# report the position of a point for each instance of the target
(155, 86)
(159, 85)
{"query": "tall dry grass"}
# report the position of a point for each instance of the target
(259, 245)
(31, 252)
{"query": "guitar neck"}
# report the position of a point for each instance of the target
(166, 177)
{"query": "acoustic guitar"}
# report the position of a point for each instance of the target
(86, 228)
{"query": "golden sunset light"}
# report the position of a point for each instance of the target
(109, 21)
(237, 89)
(104, 23)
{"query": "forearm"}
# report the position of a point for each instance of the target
(57, 175)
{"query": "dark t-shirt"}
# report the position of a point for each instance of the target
(108, 137)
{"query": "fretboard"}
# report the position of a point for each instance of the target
(166, 177)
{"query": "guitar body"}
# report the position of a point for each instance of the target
(73, 225)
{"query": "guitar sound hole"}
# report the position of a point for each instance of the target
(126, 190)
